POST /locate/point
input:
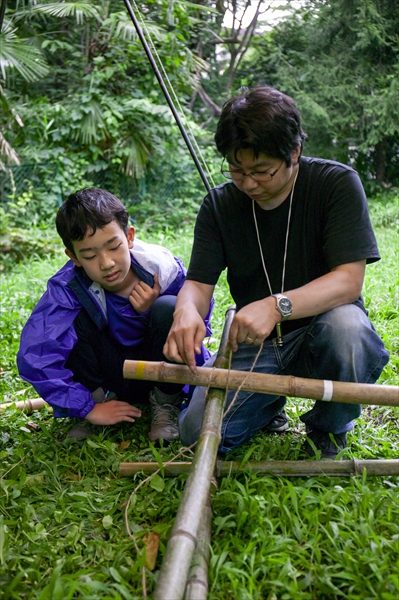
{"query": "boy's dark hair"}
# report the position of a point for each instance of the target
(261, 119)
(89, 208)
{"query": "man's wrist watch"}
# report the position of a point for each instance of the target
(284, 306)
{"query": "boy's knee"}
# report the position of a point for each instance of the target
(162, 311)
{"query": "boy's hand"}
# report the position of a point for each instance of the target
(114, 411)
(143, 296)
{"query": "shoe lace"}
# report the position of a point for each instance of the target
(165, 414)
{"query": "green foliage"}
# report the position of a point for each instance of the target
(18, 239)
(16, 54)
(62, 506)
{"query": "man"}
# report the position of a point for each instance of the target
(295, 236)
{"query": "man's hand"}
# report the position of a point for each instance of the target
(254, 323)
(114, 411)
(143, 296)
(185, 337)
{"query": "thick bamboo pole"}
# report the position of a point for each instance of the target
(183, 539)
(280, 385)
(287, 468)
(197, 584)
(27, 405)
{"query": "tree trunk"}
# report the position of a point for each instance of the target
(380, 160)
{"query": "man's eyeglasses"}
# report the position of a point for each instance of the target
(259, 176)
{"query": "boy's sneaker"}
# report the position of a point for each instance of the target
(278, 424)
(80, 432)
(164, 413)
(328, 443)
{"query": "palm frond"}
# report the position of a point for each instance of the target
(79, 10)
(91, 123)
(136, 155)
(7, 152)
(15, 53)
(121, 26)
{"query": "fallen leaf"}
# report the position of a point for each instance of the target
(32, 425)
(151, 541)
(32, 479)
(73, 475)
(124, 445)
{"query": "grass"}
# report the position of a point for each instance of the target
(62, 528)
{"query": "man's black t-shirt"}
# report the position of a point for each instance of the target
(329, 226)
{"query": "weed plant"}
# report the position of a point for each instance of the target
(62, 526)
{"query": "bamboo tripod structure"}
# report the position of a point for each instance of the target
(191, 532)
(182, 543)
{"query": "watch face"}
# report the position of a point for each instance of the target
(285, 306)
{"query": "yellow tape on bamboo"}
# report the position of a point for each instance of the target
(140, 369)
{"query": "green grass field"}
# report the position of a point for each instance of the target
(62, 521)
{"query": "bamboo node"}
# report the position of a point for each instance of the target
(211, 430)
(199, 581)
(185, 534)
(357, 467)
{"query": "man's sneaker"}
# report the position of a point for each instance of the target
(328, 443)
(278, 424)
(164, 413)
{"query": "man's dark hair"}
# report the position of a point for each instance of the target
(261, 119)
(90, 208)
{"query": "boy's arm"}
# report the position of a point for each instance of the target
(112, 412)
(46, 342)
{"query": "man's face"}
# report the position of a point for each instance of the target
(105, 256)
(267, 194)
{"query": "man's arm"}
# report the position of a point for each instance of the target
(188, 329)
(342, 285)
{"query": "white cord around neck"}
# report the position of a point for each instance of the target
(286, 239)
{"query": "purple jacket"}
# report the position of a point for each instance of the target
(49, 334)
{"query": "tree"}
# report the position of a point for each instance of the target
(223, 47)
(99, 98)
(340, 61)
(15, 54)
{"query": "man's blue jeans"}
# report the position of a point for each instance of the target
(339, 345)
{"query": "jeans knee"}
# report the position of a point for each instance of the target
(344, 327)
(345, 346)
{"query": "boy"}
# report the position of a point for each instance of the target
(114, 300)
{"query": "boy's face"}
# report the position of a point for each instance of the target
(106, 258)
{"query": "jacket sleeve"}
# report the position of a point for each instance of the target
(46, 343)
(177, 283)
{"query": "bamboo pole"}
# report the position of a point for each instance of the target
(287, 468)
(28, 405)
(197, 584)
(280, 385)
(183, 539)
